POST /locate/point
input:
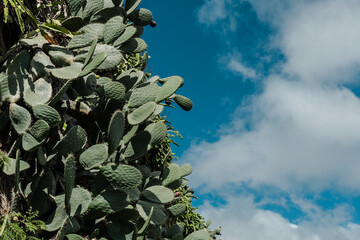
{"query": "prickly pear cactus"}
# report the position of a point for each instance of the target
(83, 138)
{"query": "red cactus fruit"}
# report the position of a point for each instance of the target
(177, 194)
(153, 24)
(168, 102)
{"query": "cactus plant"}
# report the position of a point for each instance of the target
(88, 145)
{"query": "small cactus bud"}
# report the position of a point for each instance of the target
(168, 102)
(15, 218)
(177, 194)
(153, 24)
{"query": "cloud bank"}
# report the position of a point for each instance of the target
(304, 127)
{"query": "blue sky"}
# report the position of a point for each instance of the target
(274, 134)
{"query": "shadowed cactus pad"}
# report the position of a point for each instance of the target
(94, 156)
(110, 201)
(141, 17)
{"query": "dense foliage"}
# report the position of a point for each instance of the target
(85, 147)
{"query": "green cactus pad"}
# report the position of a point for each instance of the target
(186, 169)
(105, 14)
(177, 210)
(79, 201)
(142, 113)
(20, 64)
(94, 64)
(158, 216)
(9, 89)
(39, 93)
(10, 166)
(29, 143)
(130, 78)
(40, 130)
(110, 201)
(171, 174)
(37, 41)
(158, 132)
(115, 131)
(113, 29)
(131, 5)
(90, 53)
(69, 177)
(60, 93)
(76, 6)
(184, 102)
(127, 214)
(73, 24)
(73, 237)
(60, 56)
(114, 57)
(138, 146)
(175, 230)
(158, 194)
(92, 7)
(169, 88)
(41, 64)
(133, 45)
(112, 90)
(73, 141)
(20, 118)
(199, 235)
(121, 230)
(94, 156)
(142, 94)
(57, 219)
(141, 17)
(129, 32)
(91, 31)
(122, 176)
(158, 110)
(130, 134)
(144, 60)
(47, 113)
(69, 72)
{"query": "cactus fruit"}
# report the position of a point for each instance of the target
(153, 24)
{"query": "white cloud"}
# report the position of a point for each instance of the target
(321, 40)
(304, 132)
(242, 219)
(301, 138)
(212, 11)
(238, 67)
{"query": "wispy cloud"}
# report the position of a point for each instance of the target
(304, 127)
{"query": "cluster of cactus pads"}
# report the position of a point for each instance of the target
(75, 131)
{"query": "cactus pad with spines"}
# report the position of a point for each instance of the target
(94, 156)
(122, 176)
(47, 113)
